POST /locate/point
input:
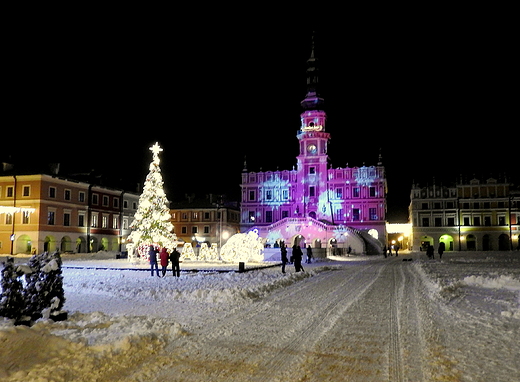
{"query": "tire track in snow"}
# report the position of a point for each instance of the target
(320, 323)
(395, 356)
(305, 311)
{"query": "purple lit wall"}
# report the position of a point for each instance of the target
(350, 197)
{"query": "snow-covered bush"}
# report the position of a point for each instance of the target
(43, 295)
(12, 297)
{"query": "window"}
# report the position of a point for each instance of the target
(251, 216)
(67, 195)
(451, 222)
(125, 223)
(116, 202)
(25, 217)
(8, 218)
(355, 192)
(81, 197)
(105, 201)
(194, 229)
(339, 214)
(125, 203)
(51, 216)
(9, 192)
(115, 222)
(425, 222)
(372, 192)
(26, 191)
(312, 191)
(207, 215)
(339, 193)
(487, 221)
(285, 194)
(184, 230)
(94, 222)
(355, 214)
(424, 206)
(372, 213)
(95, 199)
(269, 216)
(52, 192)
(252, 195)
(285, 214)
(466, 220)
(104, 221)
(66, 219)
(81, 220)
(269, 195)
(195, 215)
(312, 170)
(438, 222)
(476, 221)
(184, 216)
(206, 229)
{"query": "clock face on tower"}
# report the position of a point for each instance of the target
(312, 149)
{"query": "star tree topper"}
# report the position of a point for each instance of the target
(156, 149)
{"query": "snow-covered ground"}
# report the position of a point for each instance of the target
(355, 319)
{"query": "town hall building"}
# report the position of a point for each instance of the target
(315, 204)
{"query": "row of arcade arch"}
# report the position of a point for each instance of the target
(468, 242)
(25, 244)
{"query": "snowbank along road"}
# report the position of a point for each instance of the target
(363, 320)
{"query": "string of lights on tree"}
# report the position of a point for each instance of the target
(151, 224)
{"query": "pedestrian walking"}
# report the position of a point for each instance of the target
(430, 252)
(309, 254)
(283, 251)
(349, 250)
(297, 256)
(441, 249)
(384, 251)
(163, 255)
(396, 249)
(152, 256)
(174, 258)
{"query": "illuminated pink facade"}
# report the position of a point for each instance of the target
(315, 204)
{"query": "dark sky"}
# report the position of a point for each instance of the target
(94, 93)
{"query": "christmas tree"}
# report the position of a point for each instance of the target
(151, 225)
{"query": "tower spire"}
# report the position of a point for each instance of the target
(312, 100)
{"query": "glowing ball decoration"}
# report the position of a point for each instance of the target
(243, 247)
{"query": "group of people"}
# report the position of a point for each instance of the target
(296, 257)
(389, 250)
(430, 251)
(164, 256)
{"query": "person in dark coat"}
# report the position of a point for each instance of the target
(430, 252)
(174, 258)
(283, 251)
(297, 256)
(163, 255)
(152, 254)
(441, 249)
(309, 254)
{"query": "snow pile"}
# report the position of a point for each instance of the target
(502, 281)
(483, 283)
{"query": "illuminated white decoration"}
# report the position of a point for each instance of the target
(187, 252)
(11, 210)
(151, 225)
(243, 247)
(203, 252)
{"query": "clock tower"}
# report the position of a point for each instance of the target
(313, 159)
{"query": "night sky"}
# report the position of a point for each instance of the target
(434, 96)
